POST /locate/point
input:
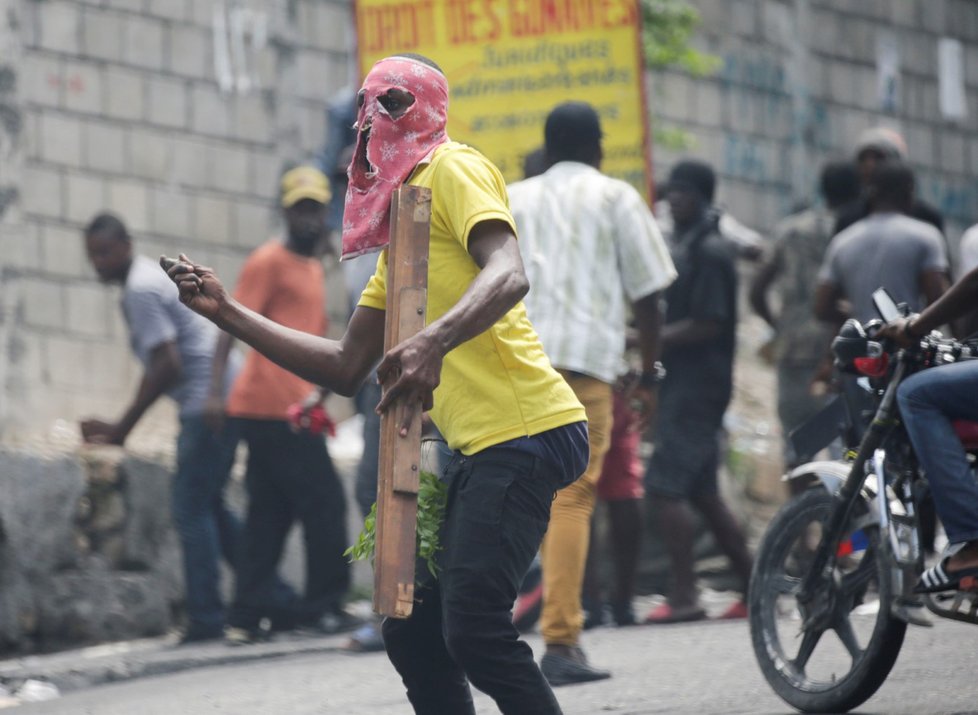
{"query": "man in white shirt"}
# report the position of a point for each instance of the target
(589, 242)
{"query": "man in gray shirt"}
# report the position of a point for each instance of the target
(888, 249)
(176, 347)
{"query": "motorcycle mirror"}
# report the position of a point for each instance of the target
(885, 305)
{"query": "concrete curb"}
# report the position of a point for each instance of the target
(118, 662)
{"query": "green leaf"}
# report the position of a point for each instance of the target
(432, 499)
(673, 138)
(667, 27)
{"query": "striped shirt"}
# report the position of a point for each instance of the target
(589, 242)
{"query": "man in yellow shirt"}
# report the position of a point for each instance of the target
(518, 431)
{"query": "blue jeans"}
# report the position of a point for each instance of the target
(206, 527)
(929, 401)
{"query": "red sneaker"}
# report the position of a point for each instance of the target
(736, 611)
(665, 613)
(526, 610)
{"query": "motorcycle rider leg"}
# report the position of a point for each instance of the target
(929, 401)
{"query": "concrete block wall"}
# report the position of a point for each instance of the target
(106, 565)
(122, 108)
(119, 104)
(797, 82)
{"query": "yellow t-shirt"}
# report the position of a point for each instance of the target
(499, 385)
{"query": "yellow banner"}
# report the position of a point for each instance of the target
(509, 62)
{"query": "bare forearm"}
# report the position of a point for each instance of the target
(315, 359)
(760, 306)
(688, 333)
(759, 291)
(220, 362)
(338, 365)
(648, 319)
(493, 292)
(957, 301)
(833, 318)
(157, 379)
(826, 305)
(411, 370)
(758, 301)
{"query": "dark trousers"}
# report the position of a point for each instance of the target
(290, 477)
(206, 527)
(461, 629)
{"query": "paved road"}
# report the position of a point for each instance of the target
(699, 668)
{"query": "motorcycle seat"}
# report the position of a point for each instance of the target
(968, 434)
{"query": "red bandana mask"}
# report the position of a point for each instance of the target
(389, 149)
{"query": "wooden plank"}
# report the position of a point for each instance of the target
(400, 458)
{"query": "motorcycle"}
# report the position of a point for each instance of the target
(831, 594)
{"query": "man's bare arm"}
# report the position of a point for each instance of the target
(648, 321)
(162, 372)
(500, 284)
(689, 332)
(214, 407)
(766, 275)
(219, 365)
(340, 365)
(954, 303)
(827, 310)
(827, 304)
(412, 370)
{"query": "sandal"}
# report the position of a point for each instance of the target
(938, 578)
(665, 613)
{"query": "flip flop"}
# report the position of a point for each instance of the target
(938, 578)
(665, 613)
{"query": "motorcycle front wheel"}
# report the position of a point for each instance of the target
(833, 663)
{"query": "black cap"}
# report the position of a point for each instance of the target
(692, 175)
(571, 124)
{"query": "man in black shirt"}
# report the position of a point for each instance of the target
(874, 146)
(698, 341)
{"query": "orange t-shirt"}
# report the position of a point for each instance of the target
(289, 289)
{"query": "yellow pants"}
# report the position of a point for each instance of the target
(564, 548)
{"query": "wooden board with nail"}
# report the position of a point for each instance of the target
(400, 457)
